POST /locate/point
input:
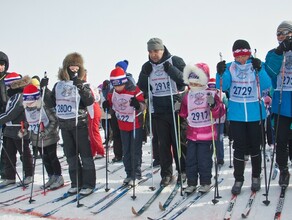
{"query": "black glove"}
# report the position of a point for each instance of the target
(221, 67)
(78, 83)
(210, 101)
(105, 105)
(166, 66)
(44, 82)
(284, 46)
(256, 64)
(135, 103)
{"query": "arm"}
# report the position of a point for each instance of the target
(14, 110)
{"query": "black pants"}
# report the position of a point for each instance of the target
(247, 138)
(79, 159)
(51, 160)
(9, 157)
(107, 134)
(118, 147)
(155, 142)
(282, 140)
(167, 144)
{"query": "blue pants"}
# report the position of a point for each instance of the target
(131, 147)
(199, 162)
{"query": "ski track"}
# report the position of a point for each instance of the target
(202, 209)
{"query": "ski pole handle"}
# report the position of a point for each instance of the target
(22, 127)
(42, 127)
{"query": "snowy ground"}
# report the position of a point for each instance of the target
(202, 209)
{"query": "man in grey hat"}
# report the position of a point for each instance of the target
(279, 69)
(165, 74)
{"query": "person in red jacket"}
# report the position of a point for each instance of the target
(127, 101)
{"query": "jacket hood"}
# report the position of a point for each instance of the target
(21, 83)
(4, 58)
(166, 55)
(72, 59)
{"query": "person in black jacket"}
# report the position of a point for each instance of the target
(71, 97)
(165, 75)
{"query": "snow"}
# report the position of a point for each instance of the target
(202, 209)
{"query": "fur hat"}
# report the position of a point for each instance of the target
(241, 48)
(72, 59)
(212, 83)
(198, 73)
(123, 64)
(31, 93)
(155, 44)
(15, 80)
(118, 77)
(285, 26)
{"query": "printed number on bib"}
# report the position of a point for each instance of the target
(200, 116)
(238, 90)
(64, 108)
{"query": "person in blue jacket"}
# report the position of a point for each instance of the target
(279, 68)
(239, 78)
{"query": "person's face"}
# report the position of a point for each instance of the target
(119, 88)
(241, 59)
(156, 55)
(74, 68)
(2, 67)
(282, 34)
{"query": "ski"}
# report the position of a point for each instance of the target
(148, 203)
(194, 200)
(249, 205)
(229, 210)
(124, 192)
(170, 198)
(280, 203)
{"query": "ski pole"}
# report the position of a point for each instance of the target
(37, 141)
(106, 150)
(133, 158)
(151, 132)
(42, 129)
(22, 150)
(176, 139)
(266, 202)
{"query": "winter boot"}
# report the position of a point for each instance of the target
(236, 188)
(255, 184)
(86, 192)
(190, 189)
(166, 180)
(127, 180)
(72, 190)
(52, 179)
(59, 181)
(204, 188)
(284, 177)
(27, 180)
(6, 182)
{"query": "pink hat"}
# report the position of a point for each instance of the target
(198, 73)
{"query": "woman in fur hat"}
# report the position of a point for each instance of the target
(12, 118)
(71, 97)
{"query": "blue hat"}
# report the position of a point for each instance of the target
(123, 64)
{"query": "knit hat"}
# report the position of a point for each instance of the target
(241, 48)
(123, 64)
(118, 77)
(35, 82)
(198, 73)
(31, 93)
(285, 25)
(155, 44)
(212, 83)
(11, 77)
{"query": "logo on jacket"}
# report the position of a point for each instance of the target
(67, 90)
(199, 98)
(121, 103)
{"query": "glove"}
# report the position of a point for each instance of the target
(221, 67)
(166, 66)
(105, 105)
(135, 103)
(210, 100)
(42, 135)
(256, 64)
(78, 83)
(177, 106)
(44, 82)
(21, 133)
(284, 46)
(268, 101)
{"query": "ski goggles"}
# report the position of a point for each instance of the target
(279, 33)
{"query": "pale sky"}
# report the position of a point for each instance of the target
(37, 35)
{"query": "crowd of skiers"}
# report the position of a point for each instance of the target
(184, 111)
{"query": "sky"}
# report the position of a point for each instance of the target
(37, 35)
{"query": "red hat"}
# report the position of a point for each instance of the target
(212, 83)
(118, 77)
(31, 93)
(11, 77)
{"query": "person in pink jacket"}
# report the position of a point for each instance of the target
(200, 106)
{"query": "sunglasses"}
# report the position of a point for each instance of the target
(279, 33)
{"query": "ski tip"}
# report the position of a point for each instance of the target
(161, 207)
(243, 215)
(134, 211)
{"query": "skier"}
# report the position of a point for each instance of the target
(164, 71)
(239, 77)
(280, 71)
(48, 137)
(127, 99)
(71, 98)
(197, 106)
(12, 118)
